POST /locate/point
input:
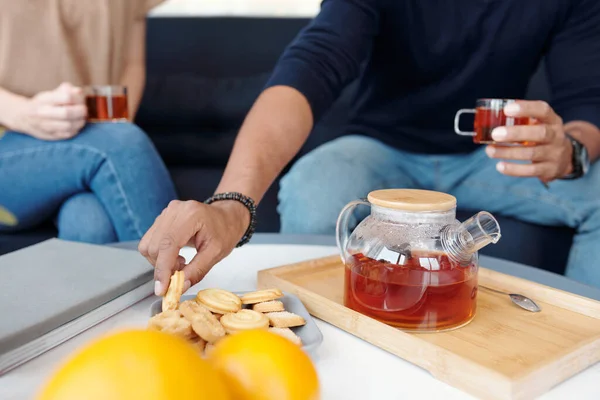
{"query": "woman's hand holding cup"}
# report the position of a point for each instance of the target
(57, 114)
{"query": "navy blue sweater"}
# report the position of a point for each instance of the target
(419, 61)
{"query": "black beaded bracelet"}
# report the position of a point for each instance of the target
(247, 202)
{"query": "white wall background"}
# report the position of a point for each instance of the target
(252, 8)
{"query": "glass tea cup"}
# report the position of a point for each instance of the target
(489, 114)
(106, 103)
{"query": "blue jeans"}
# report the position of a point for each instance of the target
(321, 183)
(106, 184)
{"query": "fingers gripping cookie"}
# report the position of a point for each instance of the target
(261, 296)
(219, 301)
(174, 292)
(244, 320)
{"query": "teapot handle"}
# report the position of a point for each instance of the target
(342, 232)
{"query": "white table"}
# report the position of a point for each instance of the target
(348, 367)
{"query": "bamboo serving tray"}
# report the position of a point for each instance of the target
(504, 353)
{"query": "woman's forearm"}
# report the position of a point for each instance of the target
(267, 141)
(8, 107)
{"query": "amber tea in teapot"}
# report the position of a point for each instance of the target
(396, 295)
(410, 264)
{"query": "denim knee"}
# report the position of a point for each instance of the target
(302, 208)
(82, 218)
(119, 136)
(121, 141)
(320, 184)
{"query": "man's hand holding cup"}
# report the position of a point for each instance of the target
(549, 150)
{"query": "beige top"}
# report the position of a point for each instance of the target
(412, 200)
(46, 42)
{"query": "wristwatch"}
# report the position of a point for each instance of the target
(580, 159)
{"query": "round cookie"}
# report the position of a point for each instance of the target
(244, 320)
(219, 301)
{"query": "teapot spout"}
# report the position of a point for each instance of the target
(462, 241)
(483, 229)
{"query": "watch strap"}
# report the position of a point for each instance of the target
(577, 159)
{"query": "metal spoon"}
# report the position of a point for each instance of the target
(520, 300)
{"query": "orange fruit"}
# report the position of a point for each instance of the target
(261, 365)
(136, 364)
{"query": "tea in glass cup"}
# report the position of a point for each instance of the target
(106, 103)
(489, 114)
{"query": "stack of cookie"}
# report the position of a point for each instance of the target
(266, 302)
(215, 313)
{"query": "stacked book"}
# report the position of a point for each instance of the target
(56, 289)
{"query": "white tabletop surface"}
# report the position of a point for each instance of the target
(348, 367)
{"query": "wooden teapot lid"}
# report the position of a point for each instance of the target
(412, 200)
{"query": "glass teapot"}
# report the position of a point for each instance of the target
(410, 263)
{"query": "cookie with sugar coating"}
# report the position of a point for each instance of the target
(268, 306)
(285, 319)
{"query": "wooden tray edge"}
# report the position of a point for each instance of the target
(539, 292)
(312, 262)
(540, 379)
(490, 384)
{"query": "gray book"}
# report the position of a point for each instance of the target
(56, 289)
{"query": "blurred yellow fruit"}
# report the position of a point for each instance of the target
(136, 364)
(261, 365)
(6, 217)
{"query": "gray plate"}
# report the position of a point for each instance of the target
(310, 334)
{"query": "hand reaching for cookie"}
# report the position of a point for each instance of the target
(214, 230)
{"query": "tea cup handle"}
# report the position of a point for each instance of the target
(342, 231)
(457, 120)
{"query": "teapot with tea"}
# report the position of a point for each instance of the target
(410, 263)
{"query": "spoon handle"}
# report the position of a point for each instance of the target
(493, 290)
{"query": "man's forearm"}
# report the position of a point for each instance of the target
(588, 134)
(272, 134)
